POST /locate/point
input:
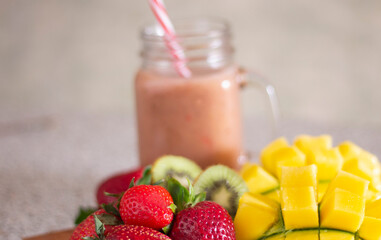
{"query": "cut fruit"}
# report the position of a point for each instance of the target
(299, 207)
(299, 176)
(345, 181)
(308, 143)
(342, 210)
(373, 209)
(223, 186)
(257, 179)
(349, 150)
(278, 236)
(329, 234)
(273, 194)
(328, 162)
(364, 166)
(322, 189)
(288, 156)
(370, 228)
(267, 152)
(180, 168)
(312, 234)
(265, 210)
(349, 182)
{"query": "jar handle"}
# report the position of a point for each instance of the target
(252, 79)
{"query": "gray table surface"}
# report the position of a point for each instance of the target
(50, 165)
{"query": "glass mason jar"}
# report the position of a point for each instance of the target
(197, 117)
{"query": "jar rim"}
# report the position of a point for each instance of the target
(188, 28)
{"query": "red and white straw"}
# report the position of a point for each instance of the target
(174, 47)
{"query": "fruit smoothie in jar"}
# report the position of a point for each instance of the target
(197, 117)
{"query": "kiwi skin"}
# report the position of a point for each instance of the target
(222, 185)
(180, 168)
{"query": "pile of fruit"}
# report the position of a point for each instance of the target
(311, 190)
(175, 199)
(307, 190)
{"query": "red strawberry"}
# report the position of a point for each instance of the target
(146, 205)
(130, 232)
(87, 227)
(116, 184)
(206, 220)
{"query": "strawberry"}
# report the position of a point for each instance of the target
(87, 227)
(147, 205)
(130, 232)
(116, 184)
(206, 220)
(197, 219)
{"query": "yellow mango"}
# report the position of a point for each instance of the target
(366, 166)
(328, 162)
(303, 235)
(299, 207)
(274, 195)
(326, 234)
(279, 236)
(349, 150)
(373, 209)
(257, 179)
(266, 154)
(255, 210)
(304, 176)
(349, 182)
(288, 156)
(308, 143)
(370, 228)
(322, 189)
(342, 210)
(372, 195)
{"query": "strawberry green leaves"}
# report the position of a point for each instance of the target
(182, 197)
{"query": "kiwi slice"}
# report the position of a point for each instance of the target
(222, 185)
(180, 168)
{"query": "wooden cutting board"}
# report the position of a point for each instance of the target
(61, 235)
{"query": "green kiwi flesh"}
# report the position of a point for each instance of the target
(222, 185)
(180, 168)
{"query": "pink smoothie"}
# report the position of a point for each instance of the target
(198, 118)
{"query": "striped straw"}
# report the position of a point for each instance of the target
(174, 47)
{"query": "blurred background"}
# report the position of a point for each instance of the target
(323, 57)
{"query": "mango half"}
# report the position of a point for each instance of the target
(311, 190)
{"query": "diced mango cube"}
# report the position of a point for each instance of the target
(326, 234)
(255, 210)
(288, 156)
(349, 182)
(342, 210)
(366, 166)
(308, 143)
(304, 176)
(328, 162)
(299, 207)
(266, 154)
(257, 179)
(349, 150)
(373, 209)
(370, 228)
(358, 168)
(303, 235)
